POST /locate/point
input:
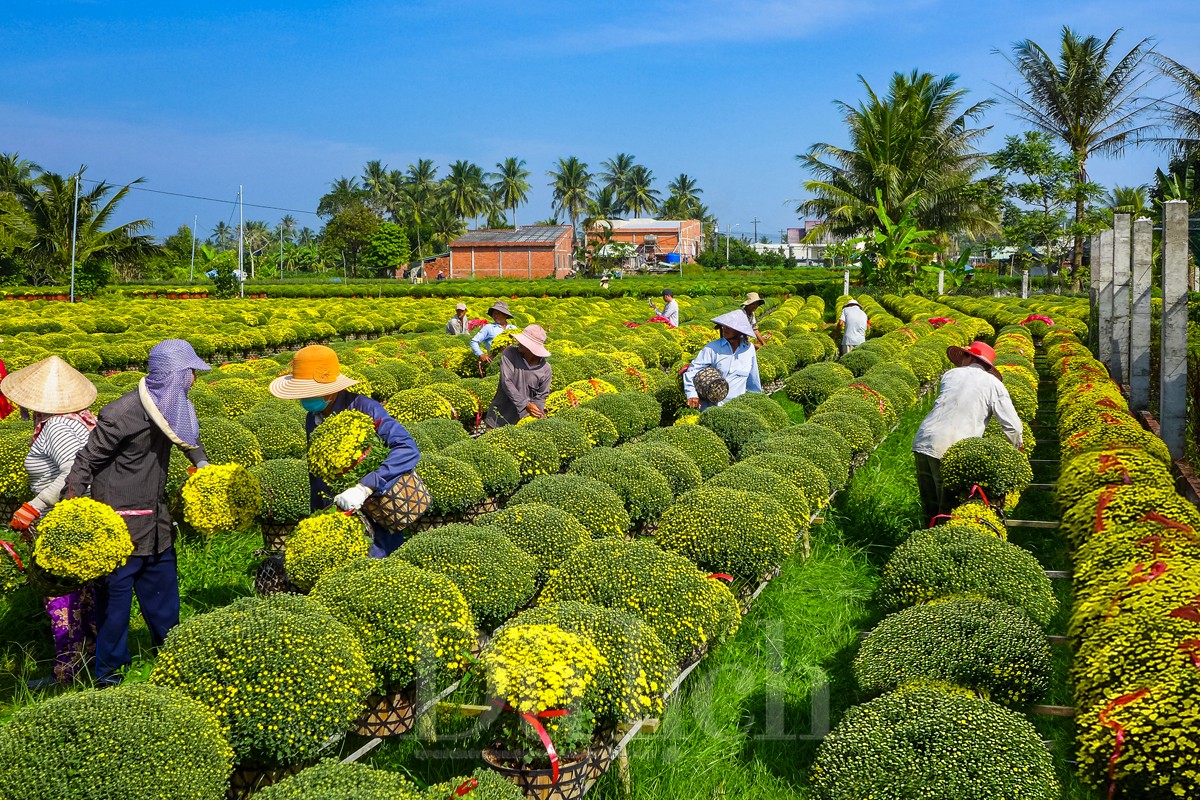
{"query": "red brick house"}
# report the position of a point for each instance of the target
(531, 251)
(682, 236)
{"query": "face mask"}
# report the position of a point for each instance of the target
(314, 405)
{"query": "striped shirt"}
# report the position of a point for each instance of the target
(51, 456)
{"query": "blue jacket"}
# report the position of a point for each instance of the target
(402, 455)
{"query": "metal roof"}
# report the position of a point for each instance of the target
(645, 224)
(529, 234)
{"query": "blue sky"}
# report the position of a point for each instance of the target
(283, 97)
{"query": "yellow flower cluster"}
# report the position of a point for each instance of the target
(321, 543)
(82, 539)
(981, 518)
(221, 499)
(576, 393)
(344, 448)
(536, 668)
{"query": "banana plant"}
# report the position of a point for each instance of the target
(896, 250)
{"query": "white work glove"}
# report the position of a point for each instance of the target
(353, 498)
(202, 464)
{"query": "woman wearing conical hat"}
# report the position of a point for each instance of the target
(732, 355)
(57, 397)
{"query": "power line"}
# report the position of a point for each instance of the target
(209, 199)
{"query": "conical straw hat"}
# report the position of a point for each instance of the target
(51, 386)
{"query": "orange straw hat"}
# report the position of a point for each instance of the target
(978, 353)
(50, 386)
(315, 373)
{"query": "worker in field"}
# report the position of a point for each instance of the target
(970, 394)
(853, 323)
(751, 305)
(458, 323)
(57, 397)
(124, 465)
(670, 309)
(724, 368)
(481, 344)
(524, 380)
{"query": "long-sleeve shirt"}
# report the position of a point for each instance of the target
(124, 465)
(483, 337)
(670, 312)
(457, 325)
(969, 397)
(402, 450)
(739, 368)
(854, 326)
(520, 385)
(50, 458)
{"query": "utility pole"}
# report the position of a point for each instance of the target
(192, 271)
(75, 229)
(756, 220)
(281, 250)
(241, 243)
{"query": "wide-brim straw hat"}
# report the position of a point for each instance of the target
(534, 339)
(500, 306)
(852, 302)
(315, 373)
(751, 299)
(978, 353)
(51, 386)
(736, 320)
(461, 307)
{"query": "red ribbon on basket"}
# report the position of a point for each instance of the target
(535, 722)
(722, 576)
(12, 551)
(1119, 737)
(465, 788)
(976, 488)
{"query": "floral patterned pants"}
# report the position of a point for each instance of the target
(73, 625)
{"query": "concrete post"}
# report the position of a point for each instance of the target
(1172, 403)
(941, 282)
(1094, 293)
(1104, 307)
(1025, 284)
(500, 263)
(1121, 297)
(529, 262)
(1139, 322)
(846, 282)
(472, 263)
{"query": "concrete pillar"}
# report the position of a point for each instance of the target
(472, 263)
(1121, 298)
(1025, 284)
(1104, 307)
(1142, 262)
(500, 263)
(941, 282)
(529, 260)
(846, 282)
(1172, 403)
(1094, 293)
(451, 264)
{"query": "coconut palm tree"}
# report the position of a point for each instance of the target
(15, 170)
(446, 223)
(684, 190)
(343, 193)
(616, 169)
(1182, 115)
(603, 204)
(638, 193)
(571, 182)
(1088, 99)
(420, 189)
(511, 184)
(222, 235)
(917, 146)
(376, 180)
(466, 190)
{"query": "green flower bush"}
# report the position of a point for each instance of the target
(568, 435)
(600, 430)
(412, 623)
(704, 447)
(546, 533)
(856, 430)
(748, 478)
(536, 451)
(672, 463)
(1115, 548)
(493, 574)
(278, 436)
(643, 489)
(597, 507)
(992, 464)
(14, 446)
(801, 473)
(345, 448)
(333, 779)
(770, 412)
(413, 405)
(285, 490)
(812, 385)
(221, 499)
(1114, 507)
(1099, 468)
(956, 560)
(238, 395)
(227, 442)
(745, 534)
(929, 742)
(322, 543)
(736, 428)
(441, 433)
(488, 785)
(984, 645)
(127, 743)
(1108, 437)
(280, 673)
(687, 609)
(454, 486)
(498, 470)
(822, 445)
(630, 686)
(626, 413)
(465, 403)
(854, 405)
(860, 360)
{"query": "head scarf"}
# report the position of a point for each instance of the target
(168, 381)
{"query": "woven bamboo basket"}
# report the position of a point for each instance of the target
(271, 576)
(604, 747)
(401, 505)
(248, 779)
(430, 521)
(487, 505)
(275, 535)
(539, 784)
(390, 714)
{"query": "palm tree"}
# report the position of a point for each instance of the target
(343, 193)
(1085, 99)
(420, 188)
(222, 235)
(48, 203)
(916, 147)
(1183, 116)
(571, 182)
(493, 211)
(466, 190)
(616, 170)
(603, 204)
(446, 223)
(637, 193)
(1129, 200)
(684, 190)
(376, 179)
(511, 184)
(15, 170)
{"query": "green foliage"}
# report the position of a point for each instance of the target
(280, 674)
(498, 470)
(992, 464)
(742, 533)
(600, 430)
(569, 436)
(546, 533)
(811, 385)
(454, 485)
(736, 428)
(704, 447)
(1099, 468)
(766, 483)
(14, 446)
(937, 743)
(387, 250)
(494, 576)
(332, 778)
(227, 442)
(822, 445)
(771, 413)
(278, 436)
(134, 741)
(285, 489)
(536, 451)
(625, 412)
(441, 433)
(643, 489)
(983, 645)
(858, 431)
(592, 502)
(672, 463)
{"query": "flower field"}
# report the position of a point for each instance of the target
(580, 575)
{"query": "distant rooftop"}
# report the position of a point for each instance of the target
(646, 224)
(527, 234)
